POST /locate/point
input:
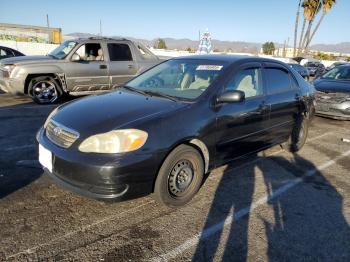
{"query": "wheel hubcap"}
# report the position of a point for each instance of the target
(45, 91)
(180, 177)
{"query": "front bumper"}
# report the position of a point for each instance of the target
(11, 85)
(114, 177)
(340, 111)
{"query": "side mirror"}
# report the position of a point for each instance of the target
(231, 97)
(75, 57)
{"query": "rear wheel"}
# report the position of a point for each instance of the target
(45, 90)
(180, 177)
(298, 136)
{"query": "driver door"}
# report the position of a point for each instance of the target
(241, 125)
(90, 72)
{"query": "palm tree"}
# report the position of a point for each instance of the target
(311, 8)
(296, 28)
(326, 7)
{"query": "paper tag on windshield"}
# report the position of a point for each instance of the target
(209, 67)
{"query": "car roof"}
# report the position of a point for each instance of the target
(97, 39)
(344, 65)
(229, 58)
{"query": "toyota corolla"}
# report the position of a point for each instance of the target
(163, 130)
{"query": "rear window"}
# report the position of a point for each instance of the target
(119, 52)
(277, 80)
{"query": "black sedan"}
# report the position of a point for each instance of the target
(301, 70)
(6, 52)
(165, 129)
(333, 93)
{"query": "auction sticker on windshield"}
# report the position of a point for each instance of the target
(45, 158)
(209, 67)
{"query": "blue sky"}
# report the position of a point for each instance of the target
(250, 20)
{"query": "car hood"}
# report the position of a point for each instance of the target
(332, 86)
(102, 113)
(26, 59)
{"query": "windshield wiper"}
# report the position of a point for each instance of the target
(153, 93)
(52, 56)
(135, 90)
(149, 93)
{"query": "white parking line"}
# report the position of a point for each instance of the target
(190, 242)
(82, 229)
(242, 212)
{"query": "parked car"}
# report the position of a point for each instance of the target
(315, 68)
(301, 70)
(166, 128)
(6, 52)
(333, 93)
(77, 67)
(336, 64)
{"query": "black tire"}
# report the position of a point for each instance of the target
(45, 90)
(299, 134)
(171, 187)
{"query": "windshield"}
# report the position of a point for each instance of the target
(341, 73)
(311, 65)
(63, 50)
(182, 78)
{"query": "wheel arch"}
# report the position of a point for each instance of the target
(197, 144)
(58, 77)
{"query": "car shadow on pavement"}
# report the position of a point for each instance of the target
(20, 120)
(18, 179)
(304, 223)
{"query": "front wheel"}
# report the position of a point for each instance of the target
(179, 177)
(45, 90)
(298, 136)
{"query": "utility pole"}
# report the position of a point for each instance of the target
(100, 27)
(284, 49)
(47, 21)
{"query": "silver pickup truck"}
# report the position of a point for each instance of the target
(76, 67)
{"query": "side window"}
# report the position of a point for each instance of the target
(4, 52)
(277, 80)
(119, 52)
(248, 81)
(90, 52)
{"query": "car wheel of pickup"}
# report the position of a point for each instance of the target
(45, 90)
(299, 134)
(179, 177)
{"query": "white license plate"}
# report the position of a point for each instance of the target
(45, 158)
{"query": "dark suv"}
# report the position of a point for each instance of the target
(166, 128)
(315, 68)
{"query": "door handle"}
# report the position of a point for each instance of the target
(103, 66)
(130, 66)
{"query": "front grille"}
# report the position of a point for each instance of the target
(61, 135)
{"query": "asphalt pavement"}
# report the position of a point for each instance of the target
(273, 206)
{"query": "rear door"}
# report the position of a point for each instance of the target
(241, 125)
(283, 97)
(122, 63)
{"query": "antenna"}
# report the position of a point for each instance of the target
(100, 27)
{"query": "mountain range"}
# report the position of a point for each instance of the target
(233, 46)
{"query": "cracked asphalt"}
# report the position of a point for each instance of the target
(273, 206)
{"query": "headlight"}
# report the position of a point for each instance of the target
(116, 141)
(8, 69)
(50, 116)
